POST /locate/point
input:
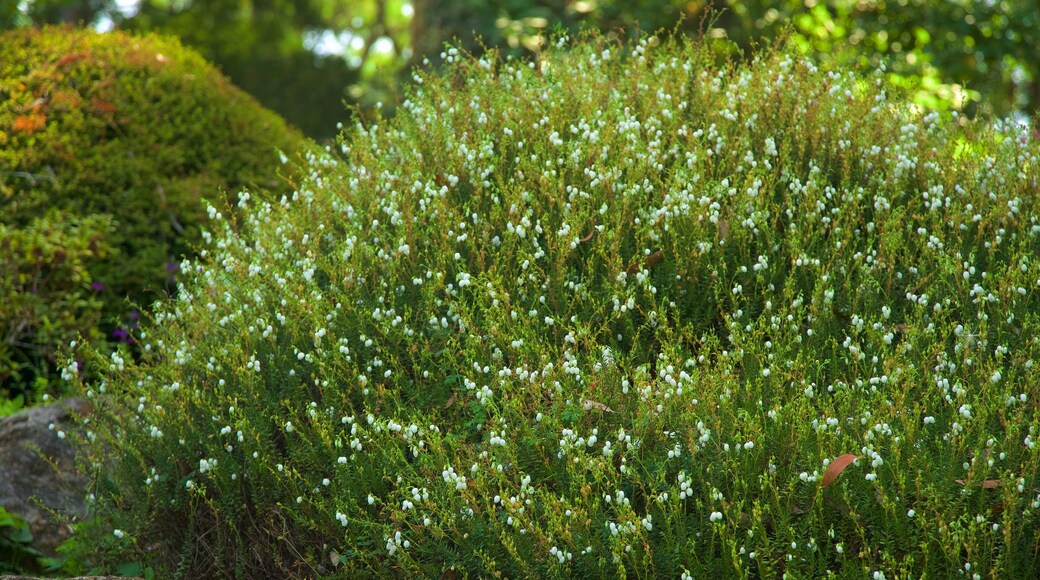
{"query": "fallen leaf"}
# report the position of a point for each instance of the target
(70, 58)
(723, 227)
(34, 105)
(451, 400)
(103, 106)
(588, 237)
(836, 467)
(987, 484)
(590, 404)
(334, 557)
(648, 263)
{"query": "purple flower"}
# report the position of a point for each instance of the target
(97, 286)
(122, 336)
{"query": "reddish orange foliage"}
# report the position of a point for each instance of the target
(30, 123)
(836, 467)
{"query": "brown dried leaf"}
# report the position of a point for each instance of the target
(451, 400)
(836, 467)
(648, 263)
(590, 404)
(103, 106)
(987, 484)
(34, 105)
(654, 258)
(71, 58)
(723, 227)
(334, 557)
(588, 237)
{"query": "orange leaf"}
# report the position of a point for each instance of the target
(588, 237)
(987, 484)
(30, 123)
(836, 467)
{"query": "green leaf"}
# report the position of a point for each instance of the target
(129, 569)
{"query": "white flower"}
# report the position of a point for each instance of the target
(715, 516)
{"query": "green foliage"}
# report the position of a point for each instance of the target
(952, 54)
(17, 555)
(266, 47)
(610, 313)
(959, 54)
(46, 295)
(108, 143)
(262, 49)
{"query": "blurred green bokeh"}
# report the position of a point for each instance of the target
(306, 58)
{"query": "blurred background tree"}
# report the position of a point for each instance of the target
(949, 53)
(305, 58)
(300, 58)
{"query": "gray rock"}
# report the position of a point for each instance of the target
(37, 467)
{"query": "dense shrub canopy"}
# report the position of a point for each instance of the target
(613, 312)
(127, 133)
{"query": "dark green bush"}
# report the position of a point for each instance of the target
(611, 313)
(46, 293)
(131, 130)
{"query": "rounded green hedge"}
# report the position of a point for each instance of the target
(130, 130)
(610, 313)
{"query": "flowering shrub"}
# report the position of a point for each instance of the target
(119, 129)
(614, 312)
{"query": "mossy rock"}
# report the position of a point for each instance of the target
(133, 129)
(612, 313)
